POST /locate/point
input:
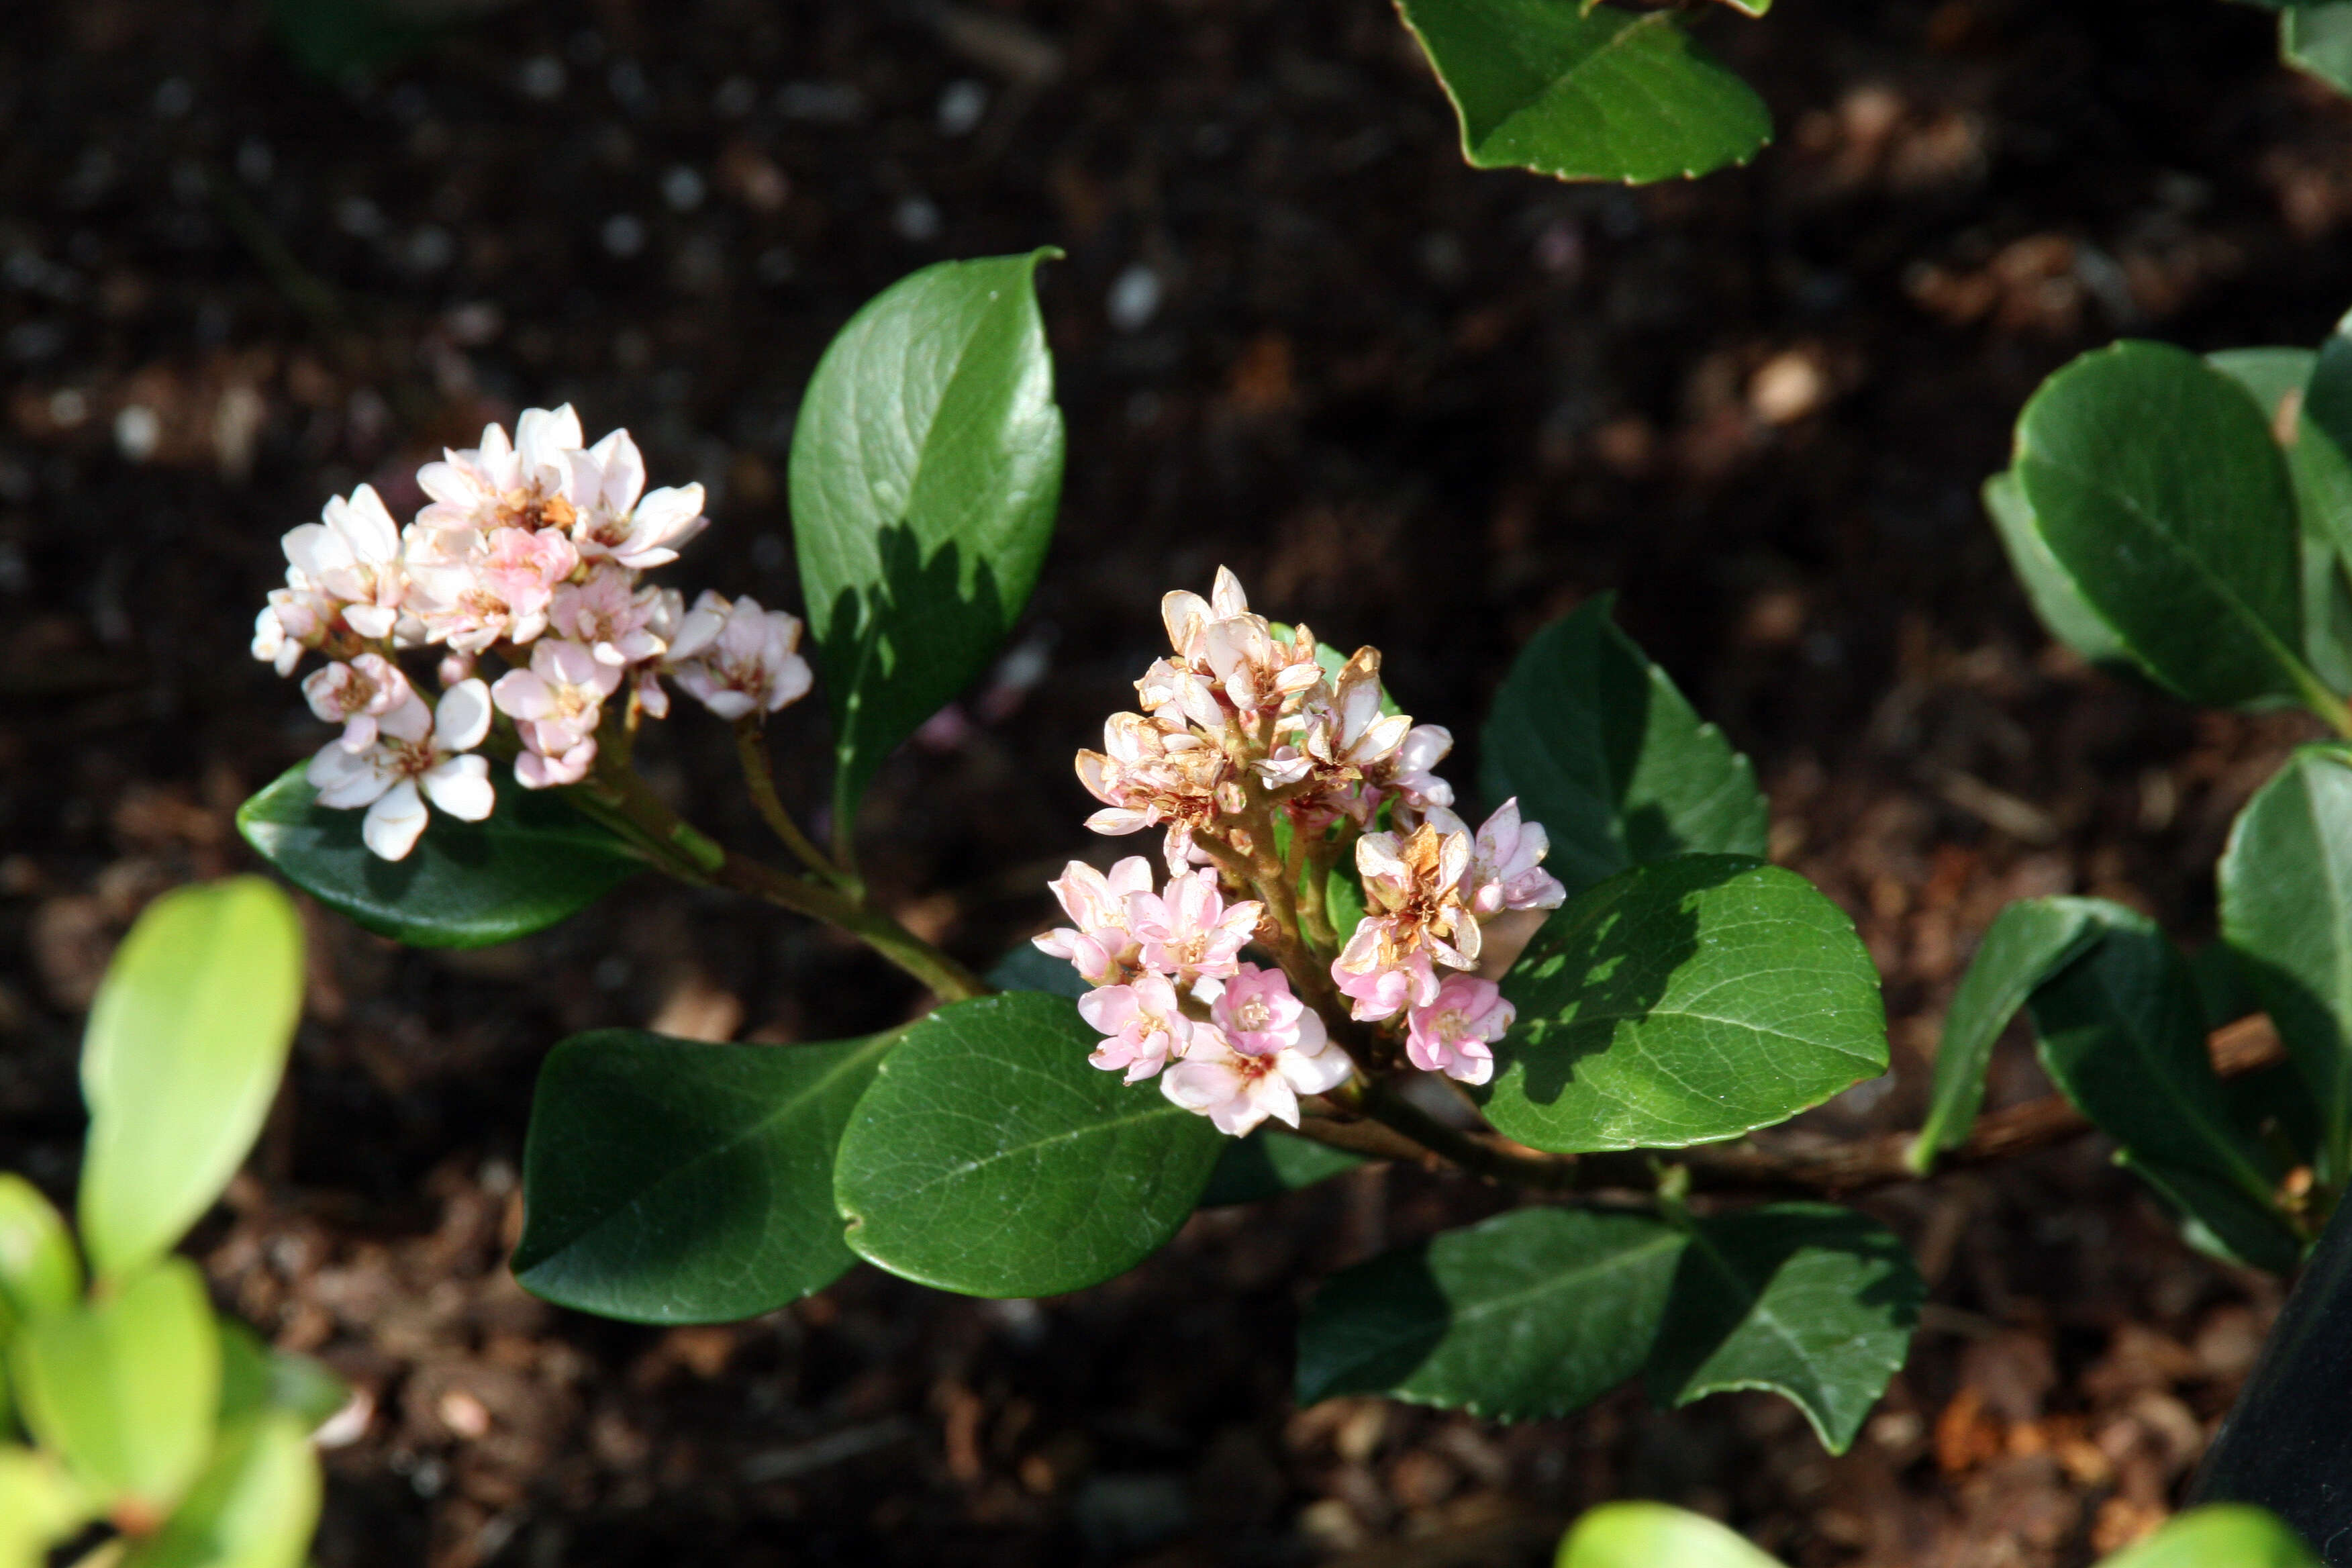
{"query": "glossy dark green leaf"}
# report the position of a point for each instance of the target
(2286, 912)
(1026, 969)
(186, 1044)
(1683, 1002)
(2122, 1033)
(532, 862)
(2276, 379)
(989, 1158)
(2317, 38)
(2158, 486)
(254, 1506)
(1584, 92)
(1267, 1163)
(2025, 942)
(256, 1378)
(1533, 1313)
(927, 462)
(679, 1181)
(1600, 748)
(2048, 586)
(126, 1389)
(1654, 1535)
(1809, 1300)
(2222, 1535)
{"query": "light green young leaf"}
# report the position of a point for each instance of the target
(2286, 912)
(40, 1505)
(1600, 748)
(1585, 92)
(532, 862)
(255, 1505)
(989, 1158)
(2158, 489)
(1653, 1536)
(2317, 38)
(1267, 1163)
(126, 1389)
(926, 467)
(1683, 1002)
(256, 1378)
(40, 1271)
(185, 1045)
(2026, 941)
(679, 1181)
(1811, 1301)
(2121, 1033)
(2222, 1535)
(1533, 1313)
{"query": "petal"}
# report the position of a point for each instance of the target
(1226, 596)
(394, 821)
(410, 721)
(461, 787)
(463, 718)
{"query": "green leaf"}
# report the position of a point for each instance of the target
(1267, 1163)
(2052, 593)
(185, 1045)
(126, 1389)
(926, 466)
(1026, 969)
(1811, 1301)
(679, 1181)
(39, 1507)
(2276, 379)
(39, 1271)
(1653, 1536)
(2025, 942)
(532, 862)
(2286, 912)
(255, 1507)
(256, 1378)
(989, 1158)
(2318, 39)
(1584, 92)
(2159, 489)
(1683, 1002)
(1533, 1313)
(2222, 1535)
(1600, 748)
(2121, 1033)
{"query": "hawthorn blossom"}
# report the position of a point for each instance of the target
(1260, 1017)
(1099, 946)
(472, 592)
(1414, 915)
(1506, 869)
(1236, 1090)
(1152, 772)
(502, 484)
(351, 556)
(621, 623)
(1453, 1033)
(415, 750)
(737, 658)
(556, 705)
(1192, 932)
(613, 521)
(356, 695)
(1143, 1025)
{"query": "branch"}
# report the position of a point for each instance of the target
(1789, 1162)
(752, 752)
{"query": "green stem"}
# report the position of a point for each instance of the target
(2326, 703)
(752, 752)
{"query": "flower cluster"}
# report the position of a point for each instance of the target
(1170, 992)
(531, 551)
(1260, 755)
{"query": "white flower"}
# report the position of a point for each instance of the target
(640, 534)
(504, 484)
(356, 695)
(472, 589)
(350, 558)
(1100, 946)
(622, 622)
(556, 704)
(1219, 638)
(1153, 771)
(738, 659)
(413, 750)
(1236, 1091)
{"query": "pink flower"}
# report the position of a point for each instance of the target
(472, 592)
(1505, 870)
(1221, 640)
(1384, 990)
(352, 558)
(1236, 1091)
(1100, 948)
(419, 754)
(357, 694)
(612, 615)
(1143, 1024)
(1453, 1033)
(294, 619)
(737, 658)
(1192, 932)
(1410, 771)
(1260, 1017)
(1414, 914)
(606, 481)
(1154, 771)
(502, 484)
(556, 704)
